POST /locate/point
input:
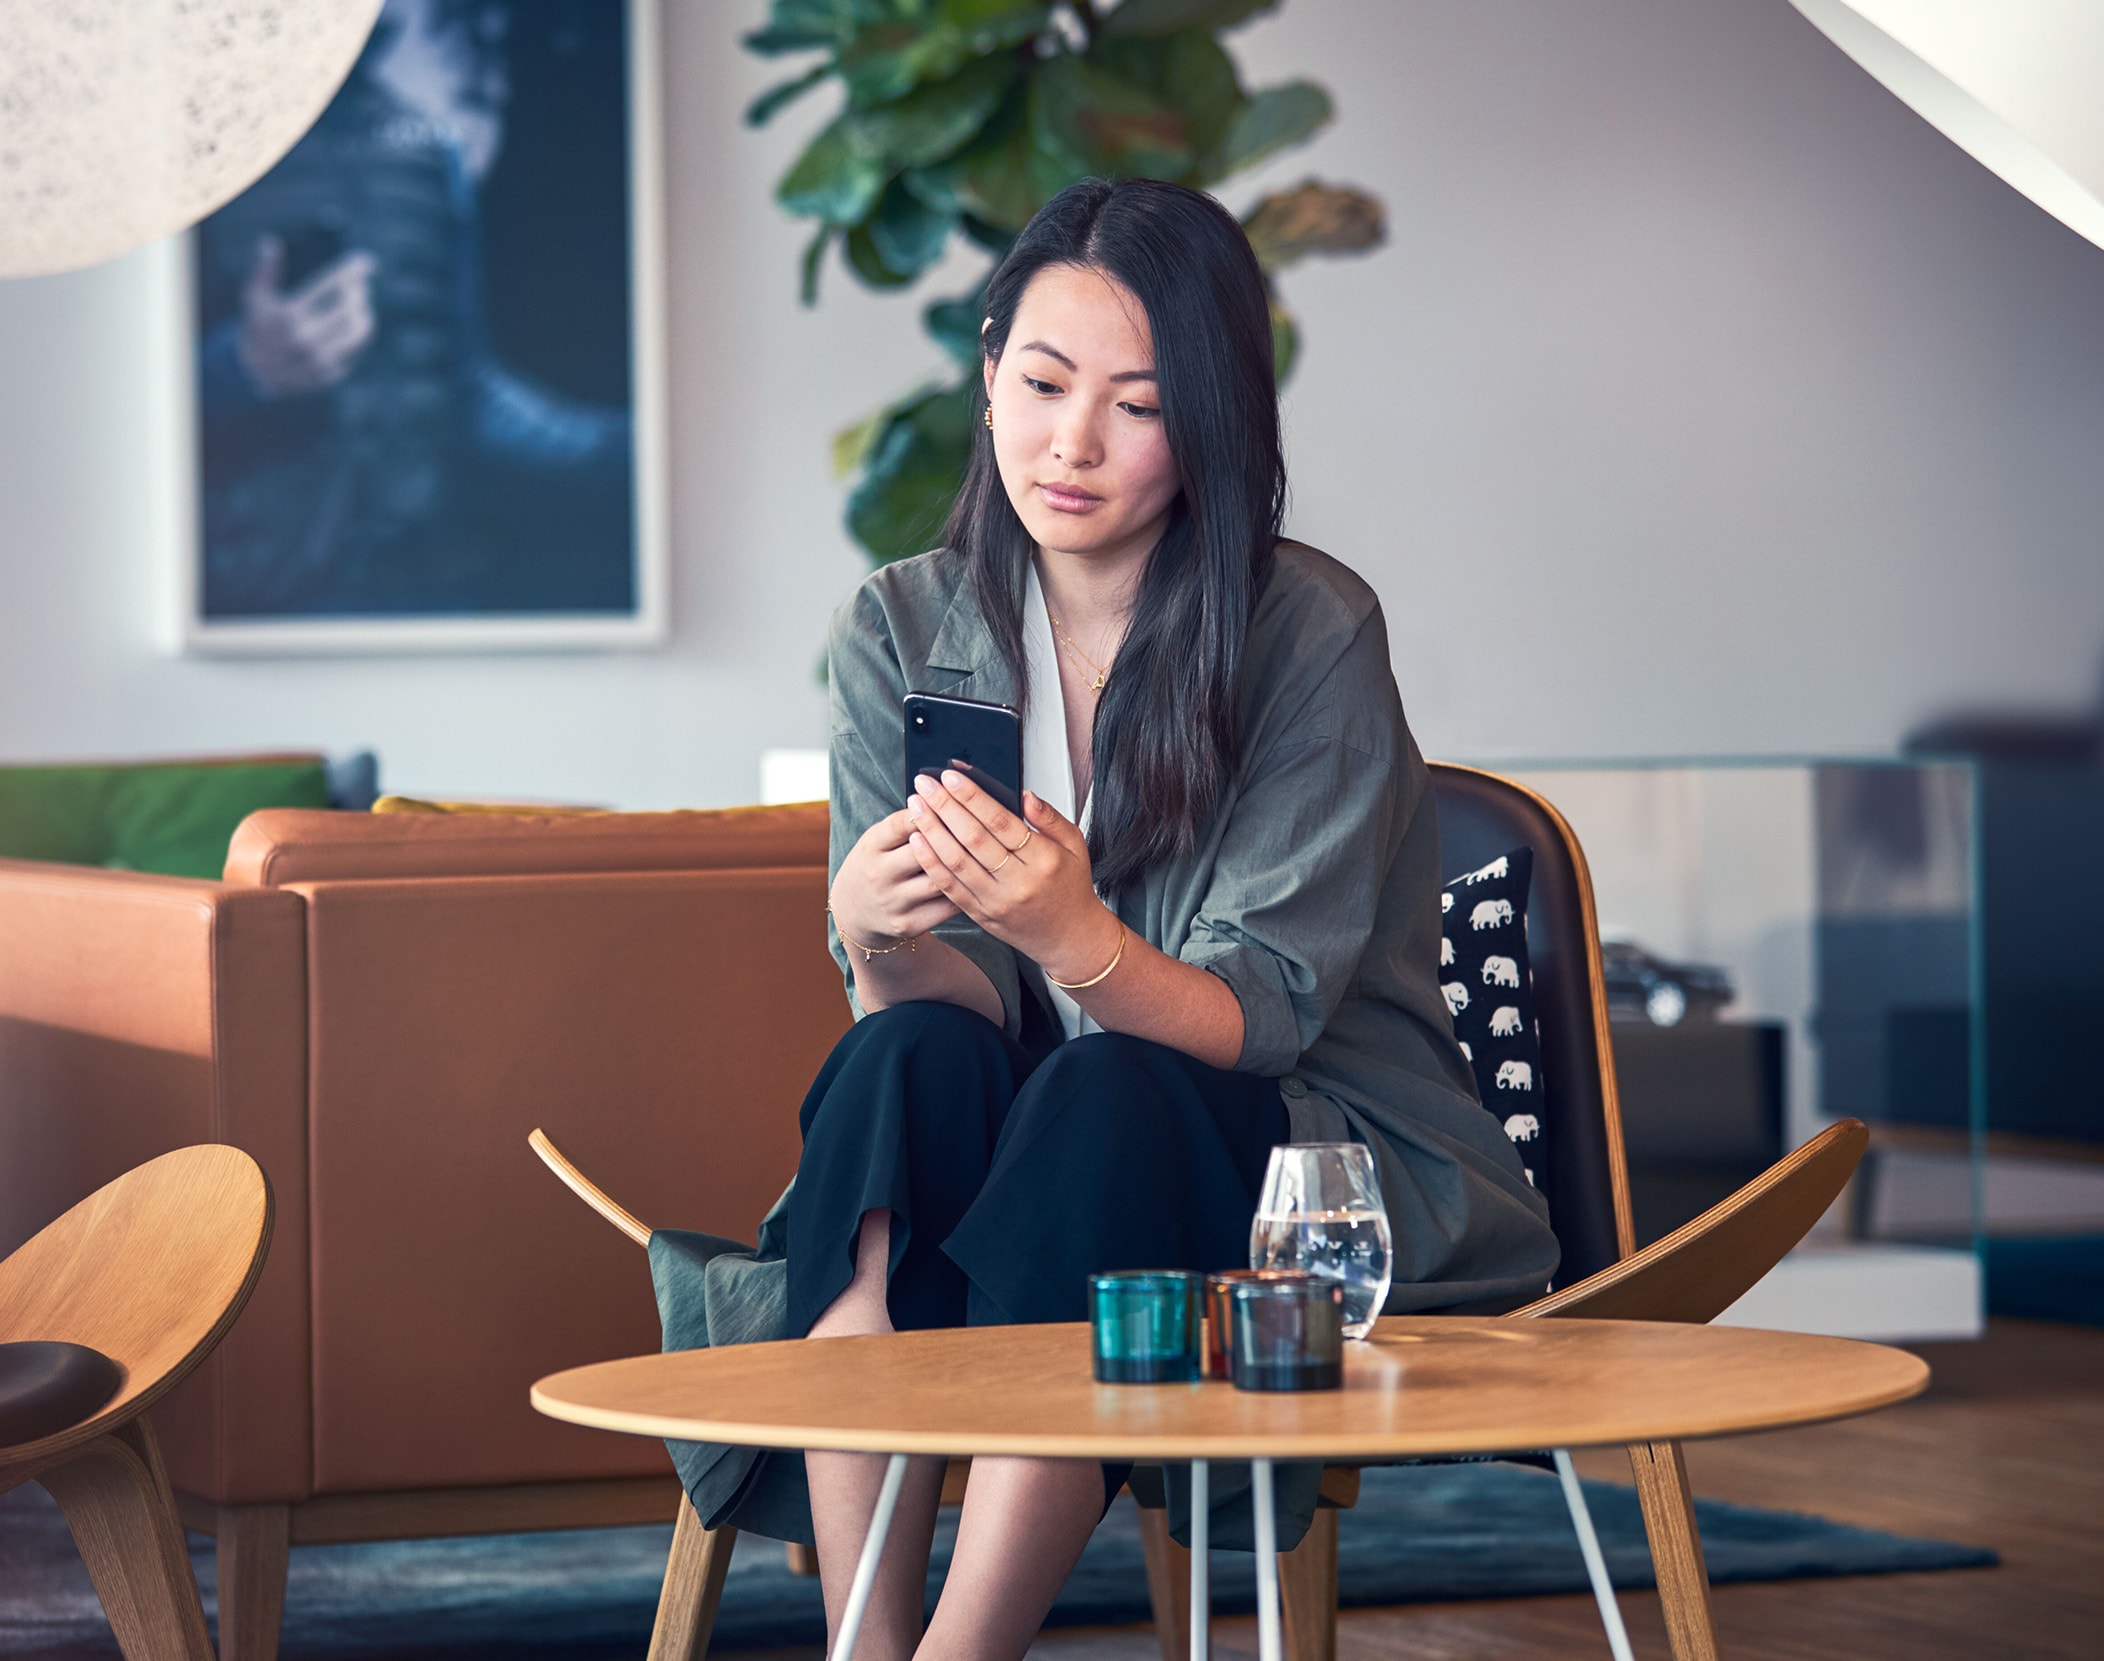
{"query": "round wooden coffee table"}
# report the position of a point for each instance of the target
(1419, 1386)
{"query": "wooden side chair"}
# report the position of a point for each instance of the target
(1694, 1274)
(102, 1314)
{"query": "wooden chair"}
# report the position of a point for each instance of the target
(113, 1305)
(1691, 1275)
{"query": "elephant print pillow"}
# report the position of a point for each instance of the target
(1489, 989)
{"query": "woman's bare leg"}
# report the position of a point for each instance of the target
(844, 1487)
(1024, 1524)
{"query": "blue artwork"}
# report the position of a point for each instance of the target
(415, 336)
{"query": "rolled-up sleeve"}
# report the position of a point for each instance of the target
(1296, 884)
(868, 781)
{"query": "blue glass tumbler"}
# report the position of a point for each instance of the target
(1288, 1333)
(1143, 1326)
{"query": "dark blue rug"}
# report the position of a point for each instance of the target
(1418, 1535)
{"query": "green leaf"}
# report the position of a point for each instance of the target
(838, 176)
(1313, 218)
(908, 232)
(813, 257)
(1274, 119)
(851, 444)
(891, 60)
(842, 171)
(867, 261)
(761, 110)
(1189, 72)
(994, 178)
(955, 327)
(936, 120)
(911, 473)
(1165, 17)
(1086, 120)
(803, 25)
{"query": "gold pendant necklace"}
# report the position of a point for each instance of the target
(1101, 675)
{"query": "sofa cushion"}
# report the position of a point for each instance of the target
(278, 848)
(171, 818)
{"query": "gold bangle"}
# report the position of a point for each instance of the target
(1116, 958)
(869, 952)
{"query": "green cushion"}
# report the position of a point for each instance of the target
(175, 818)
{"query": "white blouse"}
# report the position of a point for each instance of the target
(1047, 767)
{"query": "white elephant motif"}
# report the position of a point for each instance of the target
(1523, 1127)
(1500, 971)
(1456, 996)
(1504, 1021)
(1515, 1075)
(1501, 866)
(1446, 902)
(1467, 1054)
(1490, 914)
(1446, 952)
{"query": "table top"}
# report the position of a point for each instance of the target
(1420, 1385)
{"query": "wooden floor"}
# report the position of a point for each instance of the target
(2006, 1450)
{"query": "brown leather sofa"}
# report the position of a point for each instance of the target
(379, 1008)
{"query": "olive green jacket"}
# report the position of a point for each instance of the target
(1312, 891)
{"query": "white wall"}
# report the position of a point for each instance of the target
(1703, 399)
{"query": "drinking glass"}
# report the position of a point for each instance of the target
(1321, 1213)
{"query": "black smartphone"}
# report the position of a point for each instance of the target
(309, 247)
(984, 742)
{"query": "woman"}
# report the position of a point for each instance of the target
(1214, 927)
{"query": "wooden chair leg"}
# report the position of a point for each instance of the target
(686, 1612)
(1307, 1585)
(116, 1500)
(253, 1542)
(800, 1558)
(1168, 1584)
(1676, 1548)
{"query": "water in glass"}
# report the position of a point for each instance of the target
(1321, 1213)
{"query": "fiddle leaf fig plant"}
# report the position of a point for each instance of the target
(963, 118)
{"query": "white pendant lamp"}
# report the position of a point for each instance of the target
(124, 120)
(2018, 84)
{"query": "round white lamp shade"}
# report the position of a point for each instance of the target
(2018, 84)
(122, 121)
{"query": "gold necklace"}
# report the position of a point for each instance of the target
(1102, 675)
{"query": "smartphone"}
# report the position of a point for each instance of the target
(310, 246)
(984, 742)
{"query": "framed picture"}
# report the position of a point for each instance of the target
(426, 350)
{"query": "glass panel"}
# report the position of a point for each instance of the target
(1790, 943)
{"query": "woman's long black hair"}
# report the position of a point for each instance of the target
(1167, 736)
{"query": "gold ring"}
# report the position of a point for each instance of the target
(995, 870)
(1028, 832)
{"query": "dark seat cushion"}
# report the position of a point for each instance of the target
(48, 1387)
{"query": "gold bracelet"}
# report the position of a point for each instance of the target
(869, 952)
(1116, 958)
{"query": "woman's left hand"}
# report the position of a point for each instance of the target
(1026, 881)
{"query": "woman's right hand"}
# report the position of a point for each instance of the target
(880, 894)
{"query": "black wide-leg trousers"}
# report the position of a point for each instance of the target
(1012, 1176)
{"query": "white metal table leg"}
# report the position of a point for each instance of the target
(1269, 1647)
(1595, 1563)
(872, 1550)
(1201, 1561)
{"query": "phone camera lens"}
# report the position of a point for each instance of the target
(920, 720)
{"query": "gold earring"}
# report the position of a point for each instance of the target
(989, 418)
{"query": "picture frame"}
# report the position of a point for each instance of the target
(434, 497)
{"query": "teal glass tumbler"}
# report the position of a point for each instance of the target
(1143, 1326)
(1288, 1333)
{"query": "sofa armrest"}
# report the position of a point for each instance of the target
(140, 1014)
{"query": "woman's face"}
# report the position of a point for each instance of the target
(1077, 424)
